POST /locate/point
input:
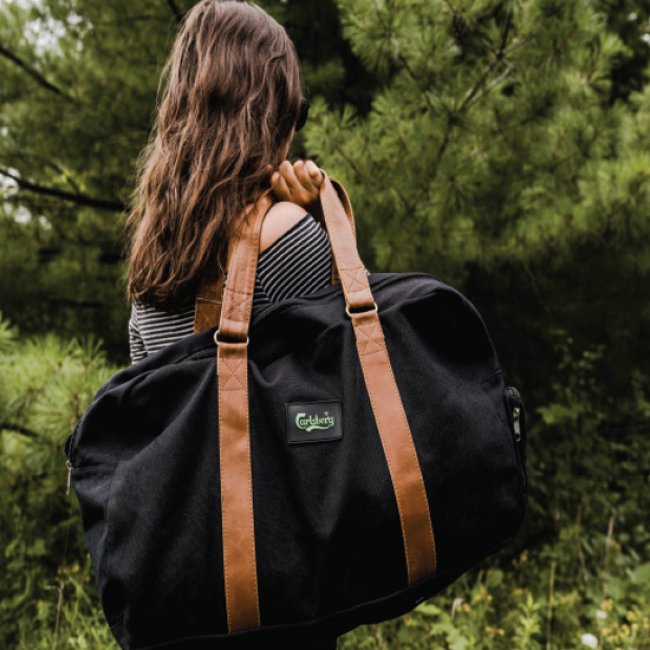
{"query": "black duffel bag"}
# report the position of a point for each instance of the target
(331, 461)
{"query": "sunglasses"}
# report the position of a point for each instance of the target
(302, 116)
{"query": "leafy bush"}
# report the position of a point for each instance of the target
(584, 567)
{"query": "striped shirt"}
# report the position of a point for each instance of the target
(297, 263)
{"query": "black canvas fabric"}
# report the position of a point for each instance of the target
(329, 549)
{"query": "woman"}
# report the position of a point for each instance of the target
(231, 106)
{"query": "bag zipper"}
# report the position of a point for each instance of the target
(515, 413)
(517, 417)
(68, 455)
(514, 401)
(68, 464)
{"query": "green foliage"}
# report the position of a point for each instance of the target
(501, 145)
(523, 609)
(473, 93)
(498, 156)
(47, 592)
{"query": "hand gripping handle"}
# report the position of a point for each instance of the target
(209, 296)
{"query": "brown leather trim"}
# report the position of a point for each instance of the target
(240, 573)
(207, 305)
(387, 406)
(238, 290)
(344, 248)
(347, 206)
(238, 534)
(209, 296)
(236, 474)
(397, 441)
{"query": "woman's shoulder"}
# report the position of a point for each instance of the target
(281, 218)
(298, 262)
(292, 230)
(305, 234)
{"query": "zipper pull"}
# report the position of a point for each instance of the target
(515, 415)
(68, 464)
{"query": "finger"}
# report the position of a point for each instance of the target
(281, 190)
(304, 178)
(289, 175)
(299, 193)
(314, 172)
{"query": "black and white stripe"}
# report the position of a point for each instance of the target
(297, 263)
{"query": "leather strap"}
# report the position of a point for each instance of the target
(242, 600)
(235, 471)
(209, 297)
(207, 304)
(386, 402)
(347, 206)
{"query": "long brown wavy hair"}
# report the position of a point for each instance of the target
(231, 97)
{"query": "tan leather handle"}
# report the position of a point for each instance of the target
(351, 270)
(208, 299)
(235, 315)
(238, 289)
(235, 470)
(347, 206)
(237, 506)
(209, 296)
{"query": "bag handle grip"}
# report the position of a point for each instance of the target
(238, 293)
(236, 480)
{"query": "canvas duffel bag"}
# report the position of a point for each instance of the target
(295, 471)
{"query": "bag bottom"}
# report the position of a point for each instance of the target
(335, 624)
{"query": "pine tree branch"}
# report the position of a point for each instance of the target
(178, 14)
(443, 145)
(14, 58)
(365, 180)
(471, 96)
(64, 173)
(75, 197)
(499, 57)
(495, 82)
(413, 76)
(18, 428)
(475, 88)
(504, 38)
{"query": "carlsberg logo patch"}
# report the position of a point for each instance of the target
(311, 422)
(314, 421)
